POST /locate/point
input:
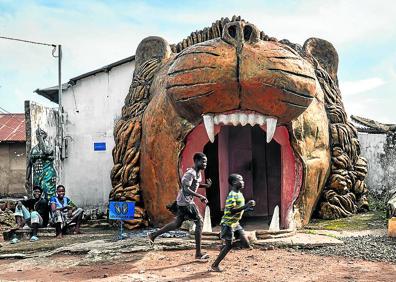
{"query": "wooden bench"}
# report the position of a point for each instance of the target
(25, 233)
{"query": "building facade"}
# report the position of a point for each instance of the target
(91, 103)
(12, 155)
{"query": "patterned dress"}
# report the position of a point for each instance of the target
(44, 173)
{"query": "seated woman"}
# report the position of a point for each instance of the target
(64, 212)
(33, 212)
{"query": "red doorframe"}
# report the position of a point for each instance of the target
(291, 175)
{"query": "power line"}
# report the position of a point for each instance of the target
(32, 42)
(28, 41)
(4, 110)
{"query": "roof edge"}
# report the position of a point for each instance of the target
(106, 68)
(51, 93)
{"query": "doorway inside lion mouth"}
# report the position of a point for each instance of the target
(244, 150)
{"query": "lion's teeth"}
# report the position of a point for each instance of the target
(223, 119)
(239, 118)
(251, 119)
(271, 127)
(260, 119)
(216, 120)
(209, 126)
(243, 119)
(234, 119)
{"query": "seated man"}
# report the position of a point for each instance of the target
(64, 212)
(33, 212)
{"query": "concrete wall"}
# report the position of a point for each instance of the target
(12, 169)
(47, 119)
(380, 151)
(92, 107)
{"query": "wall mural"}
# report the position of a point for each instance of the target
(40, 165)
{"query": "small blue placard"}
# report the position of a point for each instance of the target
(121, 210)
(99, 146)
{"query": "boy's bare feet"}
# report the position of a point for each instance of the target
(59, 236)
(150, 239)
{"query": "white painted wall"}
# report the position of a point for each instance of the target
(372, 148)
(92, 106)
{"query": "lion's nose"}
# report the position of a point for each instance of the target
(237, 33)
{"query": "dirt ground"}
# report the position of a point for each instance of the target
(247, 265)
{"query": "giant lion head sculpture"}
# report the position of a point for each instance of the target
(268, 109)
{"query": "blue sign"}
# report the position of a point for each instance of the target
(121, 210)
(99, 146)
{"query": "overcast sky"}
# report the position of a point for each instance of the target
(97, 33)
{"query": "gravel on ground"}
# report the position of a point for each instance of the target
(371, 248)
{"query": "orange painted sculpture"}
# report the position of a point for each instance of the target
(267, 109)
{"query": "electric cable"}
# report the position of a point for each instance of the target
(28, 41)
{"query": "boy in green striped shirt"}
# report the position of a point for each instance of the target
(233, 211)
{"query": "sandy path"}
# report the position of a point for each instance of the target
(255, 265)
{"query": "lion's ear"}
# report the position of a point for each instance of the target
(325, 53)
(152, 47)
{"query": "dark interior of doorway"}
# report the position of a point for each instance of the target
(266, 172)
(212, 172)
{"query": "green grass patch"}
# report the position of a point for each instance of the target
(316, 232)
(369, 220)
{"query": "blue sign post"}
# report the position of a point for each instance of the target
(121, 211)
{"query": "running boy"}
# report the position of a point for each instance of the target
(230, 227)
(186, 208)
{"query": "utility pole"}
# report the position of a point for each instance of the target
(60, 109)
(61, 120)
(60, 78)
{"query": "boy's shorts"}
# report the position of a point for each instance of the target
(228, 233)
(189, 212)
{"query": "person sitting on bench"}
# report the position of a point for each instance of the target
(64, 212)
(33, 213)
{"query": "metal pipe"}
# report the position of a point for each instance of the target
(60, 81)
(60, 123)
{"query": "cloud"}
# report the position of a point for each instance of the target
(95, 33)
(360, 86)
(376, 103)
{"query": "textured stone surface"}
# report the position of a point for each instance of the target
(234, 66)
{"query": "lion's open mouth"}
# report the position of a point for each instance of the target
(239, 92)
(253, 145)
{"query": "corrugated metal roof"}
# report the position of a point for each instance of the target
(12, 128)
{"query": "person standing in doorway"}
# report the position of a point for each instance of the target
(186, 208)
